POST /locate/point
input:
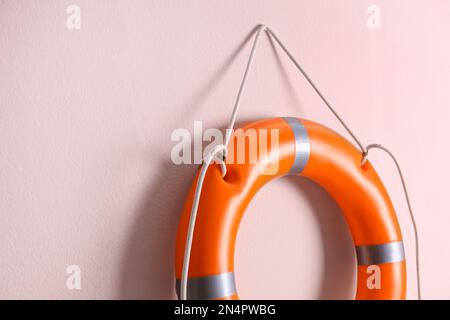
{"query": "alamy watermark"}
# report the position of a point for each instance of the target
(73, 281)
(73, 21)
(373, 21)
(246, 146)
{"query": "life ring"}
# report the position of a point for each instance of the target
(311, 150)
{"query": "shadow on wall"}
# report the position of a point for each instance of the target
(339, 267)
(148, 271)
(214, 80)
(148, 266)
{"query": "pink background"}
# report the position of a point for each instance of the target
(86, 118)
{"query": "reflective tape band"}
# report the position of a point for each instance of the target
(302, 145)
(210, 287)
(381, 253)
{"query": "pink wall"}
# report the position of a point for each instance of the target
(86, 118)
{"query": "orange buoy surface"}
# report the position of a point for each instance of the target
(307, 149)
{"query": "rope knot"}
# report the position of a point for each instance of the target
(365, 153)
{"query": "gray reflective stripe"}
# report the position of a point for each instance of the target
(381, 253)
(210, 287)
(302, 146)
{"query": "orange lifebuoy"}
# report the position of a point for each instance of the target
(310, 150)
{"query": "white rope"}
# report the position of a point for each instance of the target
(411, 214)
(361, 146)
(237, 103)
(219, 149)
(222, 149)
(198, 190)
